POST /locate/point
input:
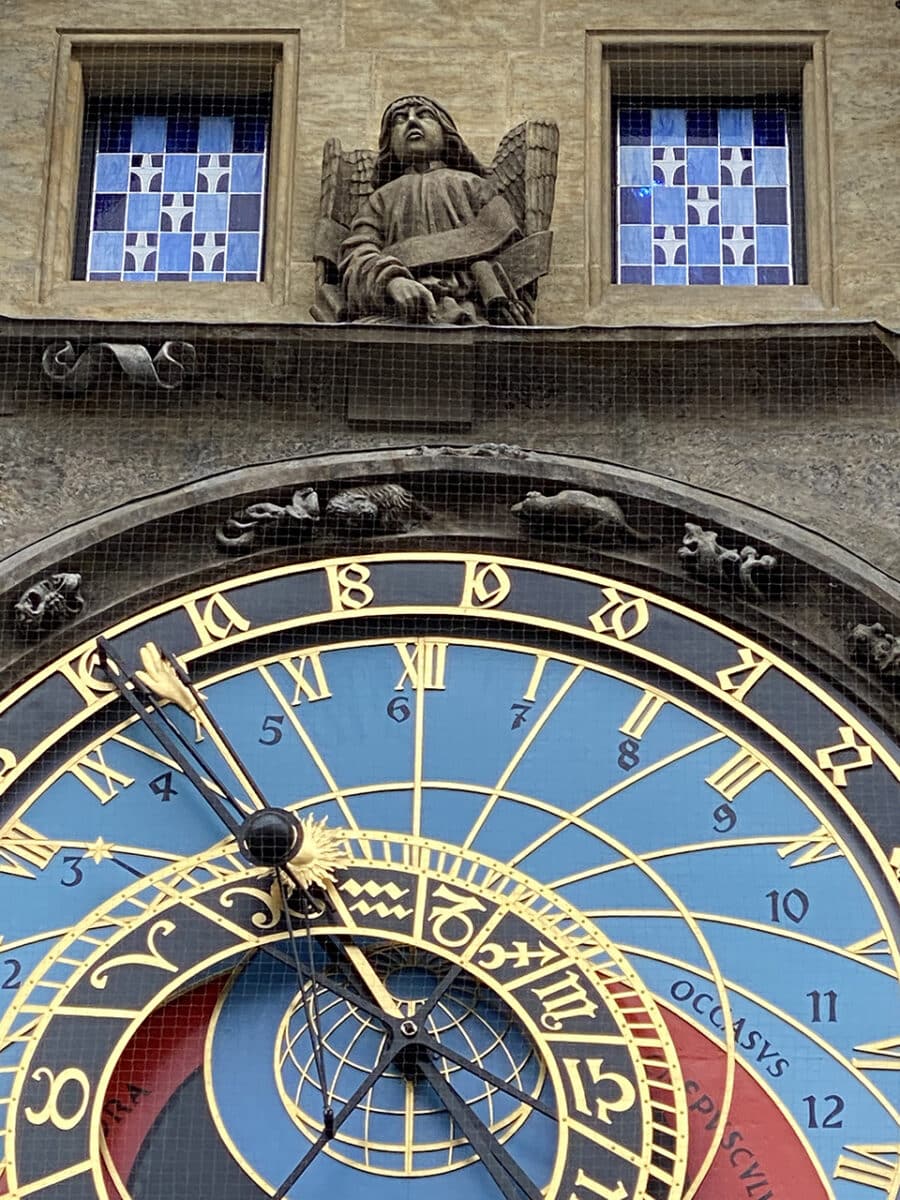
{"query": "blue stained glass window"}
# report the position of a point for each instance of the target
(174, 195)
(704, 195)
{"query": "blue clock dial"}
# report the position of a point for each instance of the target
(663, 919)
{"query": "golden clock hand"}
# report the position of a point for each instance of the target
(164, 676)
(169, 737)
(357, 956)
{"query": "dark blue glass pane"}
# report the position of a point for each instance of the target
(115, 135)
(771, 206)
(250, 135)
(244, 213)
(241, 277)
(637, 275)
(634, 127)
(634, 206)
(182, 134)
(702, 127)
(109, 211)
(774, 275)
(173, 277)
(703, 275)
(769, 127)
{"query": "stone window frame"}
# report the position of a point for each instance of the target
(262, 56)
(734, 64)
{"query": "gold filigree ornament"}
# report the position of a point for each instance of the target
(322, 852)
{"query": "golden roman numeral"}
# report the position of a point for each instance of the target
(738, 680)
(736, 774)
(425, 662)
(811, 848)
(849, 743)
(314, 688)
(540, 662)
(216, 619)
(485, 585)
(21, 844)
(583, 1180)
(888, 1051)
(623, 615)
(874, 1166)
(875, 946)
(643, 713)
(348, 586)
(80, 672)
(103, 787)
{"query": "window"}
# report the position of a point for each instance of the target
(173, 190)
(708, 193)
(708, 174)
(171, 166)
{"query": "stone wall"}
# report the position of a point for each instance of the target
(491, 63)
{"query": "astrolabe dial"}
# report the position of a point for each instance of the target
(416, 1133)
(529, 1044)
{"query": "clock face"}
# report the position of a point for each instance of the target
(583, 895)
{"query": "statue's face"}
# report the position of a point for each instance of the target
(416, 134)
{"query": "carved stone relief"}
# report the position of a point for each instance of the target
(419, 232)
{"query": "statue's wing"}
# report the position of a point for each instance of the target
(524, 171)
(357, 169)
(346, 181)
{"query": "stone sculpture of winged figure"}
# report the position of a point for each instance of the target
(419, 232)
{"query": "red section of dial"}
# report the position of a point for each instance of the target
(166, 1049)
(758, 1147)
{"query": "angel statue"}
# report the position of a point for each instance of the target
(420, 232)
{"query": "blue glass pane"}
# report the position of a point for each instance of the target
(668, 126)
(704, 275)
(208, 277)
(773, 275)
(735, 127)
(143, 211)
(243, 252)
(769, 127)
(247, 173)
(668, 205)
(181, 172)
(702, 126)
(634, 244)
(174, 251)
(216, 135)
(114, 135)
(737, 206)
(773, 244)
(148, 135)
(637, 275)
(111, 173)
(244, 213)
(634, 206)
(702, 165)
(182, 134)
(703, 244)
(106, 252)
(250, 134)
(770, 166)
(703, 205)
(211, 213)
(771, 206)
(634, 127)
(109, 212)
(670, 275)
(738, 276)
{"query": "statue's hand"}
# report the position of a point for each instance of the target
(413, 300)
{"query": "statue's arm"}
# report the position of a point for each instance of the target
(365, 269)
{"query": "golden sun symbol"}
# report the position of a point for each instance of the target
(322, 852)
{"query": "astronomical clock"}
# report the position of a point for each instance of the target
(435, 874)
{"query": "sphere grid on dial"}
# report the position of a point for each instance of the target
(469, 1019)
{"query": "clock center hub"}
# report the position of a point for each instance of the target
(270, 837)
